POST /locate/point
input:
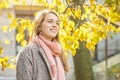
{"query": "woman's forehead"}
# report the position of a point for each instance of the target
(51, 16)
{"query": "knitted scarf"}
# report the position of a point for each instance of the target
(52, 50)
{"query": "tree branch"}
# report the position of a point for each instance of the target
(71, 10)
(106, 20)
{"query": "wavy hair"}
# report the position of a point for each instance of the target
(37, 29)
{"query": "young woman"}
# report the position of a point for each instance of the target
(43, 58)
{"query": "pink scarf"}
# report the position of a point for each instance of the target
(52, 50)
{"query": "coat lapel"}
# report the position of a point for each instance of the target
(42, 53)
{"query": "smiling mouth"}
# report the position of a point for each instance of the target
(54, 31)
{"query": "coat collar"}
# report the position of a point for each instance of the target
(42, 53)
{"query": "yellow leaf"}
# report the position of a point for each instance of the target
(90, 46)
(83, 36)
(24, 2)
(87, 10)
(61, 8)
(30, 28)
(35, 14)
(6, 59)
(96, 39)
(102, 34)
(4, 62)
(10, 16)
(19, 37)
(0, 61)
(1, 50)
(83, 16)
(41, 2)
(53, 2)
(4, 28)
(16, 1)
(6, 41)
(14, 23)
(68, 11)
(51, 6)
(76, 44)
(3, 65)
(73, 51)
(76, 33)
(20, 29)
(23, 43)
(93, 7)
(92, 1)
(11, 66)
(77, 12)
(58, 2)
(4, 4)
(71, 24)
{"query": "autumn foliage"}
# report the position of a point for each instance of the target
(89, 21)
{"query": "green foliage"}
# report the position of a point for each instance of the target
(115, 69)
(114, 72)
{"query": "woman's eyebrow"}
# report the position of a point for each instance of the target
(52, 19)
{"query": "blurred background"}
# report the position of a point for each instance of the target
(104, 60)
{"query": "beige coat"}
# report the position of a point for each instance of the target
(32, 64)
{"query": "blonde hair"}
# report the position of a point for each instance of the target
(37, 29)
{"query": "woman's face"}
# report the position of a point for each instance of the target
(50, 26)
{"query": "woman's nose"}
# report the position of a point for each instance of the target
(55, 25)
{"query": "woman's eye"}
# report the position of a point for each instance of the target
(57, 23)
(49, 21)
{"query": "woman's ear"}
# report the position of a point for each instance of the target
(40, 30)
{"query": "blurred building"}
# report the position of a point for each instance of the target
(13, 48)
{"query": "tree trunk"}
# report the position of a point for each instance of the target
(83, 63)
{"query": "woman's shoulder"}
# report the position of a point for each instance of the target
(31, 46)
(28, 49)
